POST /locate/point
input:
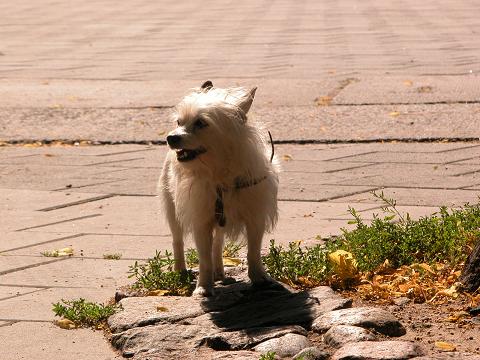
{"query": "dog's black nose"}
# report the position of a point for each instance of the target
(173, 140)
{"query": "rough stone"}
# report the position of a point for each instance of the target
(378, 350)
(340, 335)
(369, 318)
(169, 340)
(311, 353)
(150, 310)
(287, 345)
(451, 355)
(243, 339)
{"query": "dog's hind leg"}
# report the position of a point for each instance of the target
(217, 255)
(256, 271)
(203, 240)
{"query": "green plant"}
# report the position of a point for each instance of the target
(446, 236)
(232, 248)
(115, 256)
(157, 274)
(83, 313)
(268, 356)
(191, 257)
(297, 266)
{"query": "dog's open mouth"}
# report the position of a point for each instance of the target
(188, 154)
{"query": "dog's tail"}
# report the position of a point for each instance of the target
(272, 145)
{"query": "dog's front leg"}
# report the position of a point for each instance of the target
(203, 241)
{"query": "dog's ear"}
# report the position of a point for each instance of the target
(207, 85)
(246, 102)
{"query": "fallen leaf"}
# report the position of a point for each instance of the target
(65, 324)
(424, 89)
(445, 346)
(323, 100)
(286, 157)
(229, 261)
(344, 265)
(408, 83)
(162, 308)
(158, 293)
(68, 251)
(394, 114)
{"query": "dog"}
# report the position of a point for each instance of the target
(218, 180)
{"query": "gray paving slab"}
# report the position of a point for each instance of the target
(37, 305)
(8, 292)
(287, 123)
(46, 341)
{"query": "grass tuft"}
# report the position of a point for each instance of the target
(158, 274)
(83, 313)
(446, 236)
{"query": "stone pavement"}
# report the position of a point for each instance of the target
(101, 200)
(328, 71)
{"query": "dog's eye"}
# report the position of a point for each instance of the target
(199, 124)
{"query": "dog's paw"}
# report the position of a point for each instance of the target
(201, 292)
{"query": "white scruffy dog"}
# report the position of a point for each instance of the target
(218, 179)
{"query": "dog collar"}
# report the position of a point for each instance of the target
(239, 183)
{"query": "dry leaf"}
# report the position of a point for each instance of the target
(408, 83)
(229, 261)
(286, 157)
(323, 100)
(424, 89)
(65, 324)
(158, 293)
(445, 346)
(394, 114)
(162, 308)
(344, 265)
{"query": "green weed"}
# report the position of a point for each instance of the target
(115, 256)
(83, 313)
(446, 236)
(268, 356)
(158, 274)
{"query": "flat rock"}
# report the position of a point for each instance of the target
(340, 335)
(450, 355)
(169, 340)
(287, 345)
(366, 317)
(244, 339)
(311, 353)
(150, 310)
(237, 318)
(378, 350)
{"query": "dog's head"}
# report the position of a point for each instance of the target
(210, 121)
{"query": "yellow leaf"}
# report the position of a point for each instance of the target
(408, 83)
(324, 100)
(394, 114)
(445, 346)
(344, 265)
(229, 261)
(162, 308)
(286, 157)
(426, 267)
(158, 293)
(65, 324)
(68, 251)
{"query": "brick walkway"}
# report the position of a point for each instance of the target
(111, 71)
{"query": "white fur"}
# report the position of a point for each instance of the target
(234, 149)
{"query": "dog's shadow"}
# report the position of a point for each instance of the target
(241, 306)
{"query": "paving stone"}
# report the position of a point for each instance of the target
(287, 345)
(366, 317)
(378, 350)
(339, 335)
(311, 353)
